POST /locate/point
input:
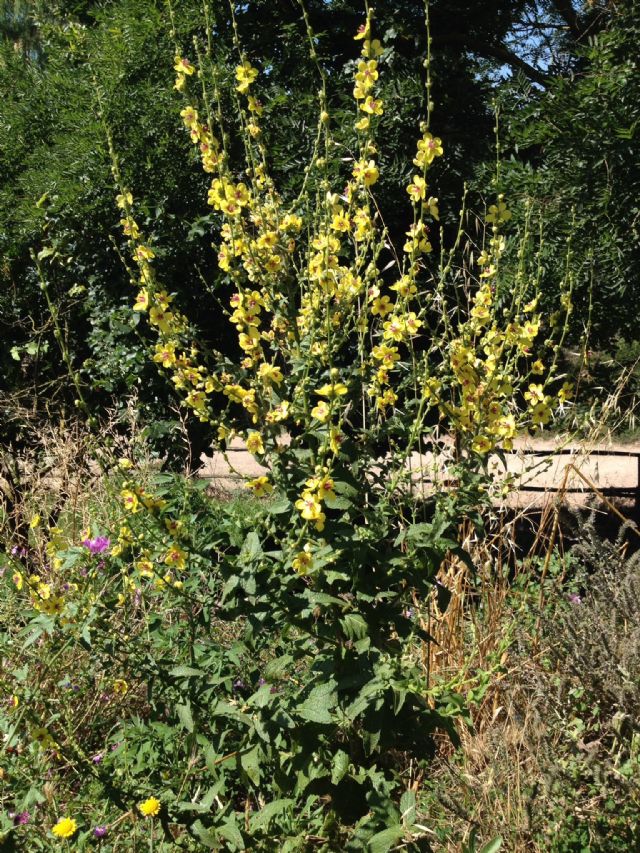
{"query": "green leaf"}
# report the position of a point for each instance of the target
(408, 807)
(279, 507)
(230, 831)
(185, 717)
(206, 836)
(250, 763)
(338, 502)
(492, 846)
(354, 626)
(317, 706)
(185, 671)
(339, 766)
(276, 668)
(251, 547)
(262, 819)
(384, 841)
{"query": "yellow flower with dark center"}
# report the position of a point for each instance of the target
(372, 106)
(541, 413)
(382, 306)
(183, 66)
(481, 444)
(366, 172)
(130, 500)
(260, 486)
(417, 189)
(309, 506)
(303, 561)
(271, 374)
(321, 411)
(175, 557)
(254, 443)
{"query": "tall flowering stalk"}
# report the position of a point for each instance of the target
(354, 354)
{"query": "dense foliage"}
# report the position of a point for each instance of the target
(55, 57)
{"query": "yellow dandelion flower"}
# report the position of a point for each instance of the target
(150, 807)
(66, 827)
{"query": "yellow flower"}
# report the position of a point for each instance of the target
(175, 557)
(417, 189)
(270, 374)
(367, 172)
(537, 367)
(429, 147)
(35, 522)
(372, 106)
(364, 31)
(303, 561)
(431, 206)
(309, 506)
(260, 486)
(65, 828)
(498, 213)
(535, 394)
(481, 444)
(340, 222)
(183, 66)
(566, 392)
(245, 75)
(335, 389)
(42, 737)
(382, 306)
(124, 200)
(143, 253)
(372, 48)
(540, 413)
(120, 687)
(254, 443)
(130, 500)
(321, 412)
(150, 807)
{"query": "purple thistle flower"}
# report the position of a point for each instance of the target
(21, 818)
(574, 599)
(97, 545)
(100, 831)
(97, 758)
